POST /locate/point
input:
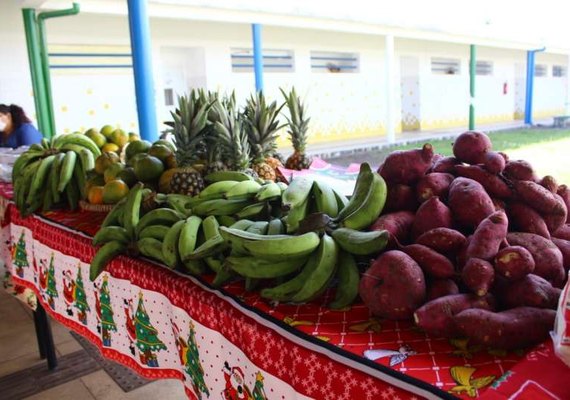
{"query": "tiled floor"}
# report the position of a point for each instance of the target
(19, 351)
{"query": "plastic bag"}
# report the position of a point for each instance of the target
(561, 333)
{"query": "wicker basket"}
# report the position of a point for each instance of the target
(84, 205)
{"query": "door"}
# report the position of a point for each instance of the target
(410, 92)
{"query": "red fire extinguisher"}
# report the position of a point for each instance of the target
(505, 88)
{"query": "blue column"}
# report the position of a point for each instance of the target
(529, 85)
(142, 66)
(257, 57)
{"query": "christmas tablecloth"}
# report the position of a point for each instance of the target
(231, 344)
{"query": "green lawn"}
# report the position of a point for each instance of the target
(545, 149)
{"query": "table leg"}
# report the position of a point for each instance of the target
(40, 335)
(46, 337)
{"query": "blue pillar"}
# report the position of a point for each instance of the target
(257, 57)
(529, 85)
(142, 66)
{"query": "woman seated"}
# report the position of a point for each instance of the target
(16, 128)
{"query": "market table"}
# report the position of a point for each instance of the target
(231, 344)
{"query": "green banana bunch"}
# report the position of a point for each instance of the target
(270, 191)
(259, 268)
(220, 207)
(187, 244)
(325, 199)
(154, 231)
(359, 242)
(348, 281)
(219, 176)
(103, 256)
(243, 190)
(217, 190)
(297, 193)
(366, 212)
(158, 216)
(214, 243)
(151, 248)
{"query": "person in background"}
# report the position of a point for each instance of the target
(16, 128)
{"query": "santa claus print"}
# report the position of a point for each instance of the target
(236, 389)
(129, 312)
(68, 292)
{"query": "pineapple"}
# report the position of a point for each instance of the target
(298, 126)
(189, 127)
(262, 126)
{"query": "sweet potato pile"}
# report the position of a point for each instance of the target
(479, 248)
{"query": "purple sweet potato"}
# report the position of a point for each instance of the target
(441, 288)
(549, 183)
(565, 194)
(436, 316)
(488, 236)
(523, 218)
(443, 240)
(499, 204)
(514, 263)
(461, 257)
(478, 275)
(431, 262)
(434, 184)
(469, 202)
(407, 166)
(397, 223)
(519, 170)
(504, 155)
(558, 217)
(494, 162)
(445, 165)
(401, 198)
(539, 198)
(563, 232)
(394, 286)
(493, 184)
(530, 291)
(471, 147)
(547, 258)
(431, 214)
(512, 329)
(564, 247)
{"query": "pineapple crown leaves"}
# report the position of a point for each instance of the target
(233, 138)
(262, 124)
(298, 121)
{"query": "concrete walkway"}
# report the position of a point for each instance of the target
(345, 147)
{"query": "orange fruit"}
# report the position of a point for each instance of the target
(105, 160)
(95, 195)
(114, 190)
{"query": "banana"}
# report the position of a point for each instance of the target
(319, 280)
(226, 220)
(78, 139)
(131, 215)
(296, 215)
(73, 195)
(157, 232)
(242, 224)
(170, 252)
(103, 256)
(23, 184)
(325, 199)
(109, 234)
(275, 227)
(219, 207)
(361, 189)
(270, 191)
(259, 227)
(40, 177)
(254, 267)
(24, 160)
(87, 159)
(67, 167)
(79, 177)
(187, 243)
(341, 199)
(370, 209)
(252, 210)
(359, 242)
(282, 185)
(288, 289)
(182, 203)
(219, 176)
(223, 275)
(150, 248)
(214, 243)
(37, 147)
(279, 247)
(158, 216)
(54, 177)
(115, 216)
(47, 202)
(217, 190)
(243, 190)
(297, 193)
(211, 227)
(348, 282)
(45, 144)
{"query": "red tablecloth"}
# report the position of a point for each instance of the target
(297, 351)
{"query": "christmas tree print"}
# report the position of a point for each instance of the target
(147, 339)
(20, 256)
(51, 290)
(80, 298)
(258, 390)
(107, 321)
(193, 365)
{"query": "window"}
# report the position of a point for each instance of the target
(540, 70)
(445, 66)
(273, 60)
(168, 97)
(484, 68)
(334, 62)
(558, 71)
